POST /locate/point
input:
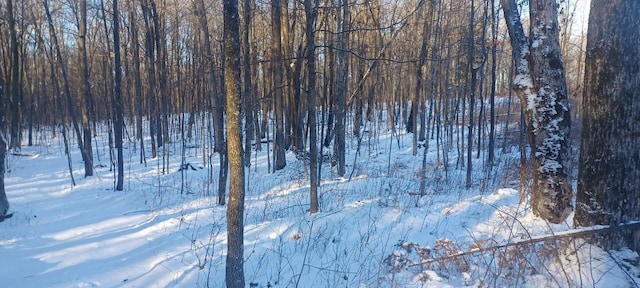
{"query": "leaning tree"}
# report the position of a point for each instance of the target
(540, 85)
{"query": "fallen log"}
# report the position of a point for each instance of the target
(562, 235)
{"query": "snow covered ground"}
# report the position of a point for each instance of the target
(374, 229)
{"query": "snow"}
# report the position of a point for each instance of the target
(372, 229)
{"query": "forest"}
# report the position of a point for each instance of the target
(333, 143)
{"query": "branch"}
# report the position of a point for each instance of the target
(566, 234)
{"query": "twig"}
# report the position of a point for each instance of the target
(624, 270)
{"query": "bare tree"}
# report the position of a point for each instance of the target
(344, 27)
(85, 111)
(4, 202)
(311, 11)
(278, 82)
(473, 68)
(218, 102)
(118, 126)
(248, 97)
(16, 80)
(609, 177)
(540, 85)
(235, 208)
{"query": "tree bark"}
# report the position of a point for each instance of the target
(85, 111)
(151, 75)
(235, 209)
(118, 125)
(342, 86)
(472, 91)
(16, 83)
(137, 86)
(248, 99)
(609, 177)
(540, 84)
(492, 97)
(4, 202)
(278, 82)
(311, 11)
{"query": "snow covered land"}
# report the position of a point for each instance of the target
(373, 229)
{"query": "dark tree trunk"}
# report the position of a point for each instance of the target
(218, 102)
(278, 82)
(4, 202)
(492, 97)
(311, 11)
(118, 126)
(66, 84)
(298, 106)
(609, 175)
(472, 91)
(151, 75)
(248, 99)
(341, 87)
(16, 83)
(85, 111)
(418, 98)
(235, 210)
(138, 87)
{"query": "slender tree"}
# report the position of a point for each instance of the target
(609, 170)
(248, 96)
(85, 111)
(235, 208)
(311, 11)
(16, 81)
(216, 99)
(4, 202)
(278, 82)
(342, 62)
(118, 125)
(473, 68)
(492, 96)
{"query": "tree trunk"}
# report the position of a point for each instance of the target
(16, 83)
(248, 99)
(541, 86)
(137, 87)
(278, 82)
(4, 202)
(118, 125)
(492, 97)
(85, 111)
(235, 210)
(218, 102)
(418, 99)
(66, 83)
(609, 175)
(151, 75)
(311, 11)
(342, 86)
(472, 91)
